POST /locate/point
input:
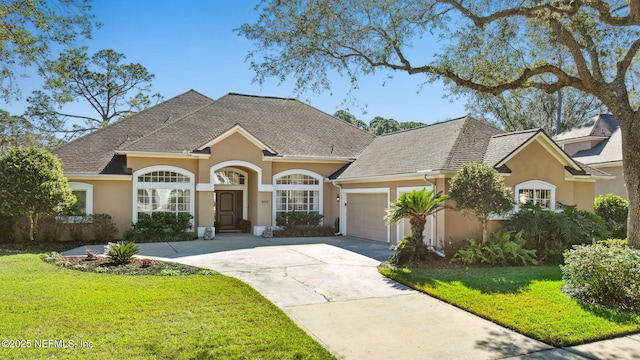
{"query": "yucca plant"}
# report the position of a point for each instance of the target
(121, 252)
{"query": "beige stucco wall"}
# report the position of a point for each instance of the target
(113, 197)
(614, 186)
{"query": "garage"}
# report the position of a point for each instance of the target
(365, 216)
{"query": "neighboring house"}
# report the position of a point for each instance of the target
(598, 143)
(249, 157)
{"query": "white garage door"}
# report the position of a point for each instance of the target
(365, 216)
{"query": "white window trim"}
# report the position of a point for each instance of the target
(276, 187)
(162, 185)
(88, 188)
(400, 226)
(536, 185)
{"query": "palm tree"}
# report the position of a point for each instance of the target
(415, 206)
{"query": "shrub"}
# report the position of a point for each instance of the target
(121, 252)
(7, 229)
(407, 251)
(502, 248)
(298, 224)
(550, 233)
(305, 231)
(160, 226)
(604, 273)
(613, 210)
(104, 228)
(294, 219)
(245, 226)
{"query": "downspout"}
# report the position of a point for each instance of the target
(339, 208)
(433, 223)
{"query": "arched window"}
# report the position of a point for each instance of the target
(229, 177)
(163, 189)
(297, 191)
(537, 192)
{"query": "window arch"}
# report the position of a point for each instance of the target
(297, 191)
(163, 189)
(229, 177)
(538, 192)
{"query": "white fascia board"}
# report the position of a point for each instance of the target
(606, 164)
(91, 176)
(309, 159)
(580, 139)
(167, 155)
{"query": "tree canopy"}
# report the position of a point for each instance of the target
(487, 46)
(378, 125)
(112, 89)
(32, 185)
(29, 29)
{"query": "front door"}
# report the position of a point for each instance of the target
(228, 210)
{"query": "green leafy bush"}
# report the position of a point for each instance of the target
(550, 232)
(6, 229)
(298, 224)
(294, 219)
(604, 273)
(121, 252)
(408, 250)
(502, 248)
(614, 210)
(159, 227)
(103, 227)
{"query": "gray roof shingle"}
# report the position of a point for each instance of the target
(609, 150)
(189, 121)
(503, 145)
(441, 146)
(602, 125)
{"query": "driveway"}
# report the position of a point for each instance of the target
(331, 288)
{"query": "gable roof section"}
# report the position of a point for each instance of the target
(286, 126)
(94, 153)
(606, 152)
(441, 146)
(598, 127)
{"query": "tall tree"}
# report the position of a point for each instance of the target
(488, 46)
(380, 126)
(523, 109)
(29, 28)
(112, 89)
(351, 119)
(15, 131)
(32, 184)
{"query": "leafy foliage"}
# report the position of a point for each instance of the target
(478, 189)
(604, 273)
(378, 125)
(415, 206)
(502, 248)
(28, 31)
(160, 226)
(589, 46)
(121, 252)
(112, 89)
(614, 211)
(550, 233)
(302, 224)
(32, 185)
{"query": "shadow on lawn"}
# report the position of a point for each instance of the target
(7, 249)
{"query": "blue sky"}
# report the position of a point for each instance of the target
(190, 44)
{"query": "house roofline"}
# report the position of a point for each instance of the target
(94, 176)
(580, 139)
(311, 159)
(185, 154)
(418, 175)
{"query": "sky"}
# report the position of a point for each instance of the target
(191, 44)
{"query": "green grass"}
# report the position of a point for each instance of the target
(141, 317)
(526, 299)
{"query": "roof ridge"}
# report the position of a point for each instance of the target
(165, 124)
(534, 130)
(425, 126)
(259, 96)
(128, 118)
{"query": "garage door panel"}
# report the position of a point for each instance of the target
(365, 216)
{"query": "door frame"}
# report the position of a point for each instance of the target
(244, 188)
(237, 210)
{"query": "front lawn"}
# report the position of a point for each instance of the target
(525, 299)
(67, 314)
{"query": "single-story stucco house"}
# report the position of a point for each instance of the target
(253, 157)
(598, 143)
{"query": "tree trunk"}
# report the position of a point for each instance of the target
(485, 232)
(32, 221)
(417, 227)
(630, 127)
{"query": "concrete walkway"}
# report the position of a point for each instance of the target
(331, 288)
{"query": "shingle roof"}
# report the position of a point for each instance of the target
(609, 150)
(601, 126)
(503, 145)
(288, 126)
(93, 152)
(189, 121)
(442, 146)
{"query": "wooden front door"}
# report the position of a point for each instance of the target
(228, 209)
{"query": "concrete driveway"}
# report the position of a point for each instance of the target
(331, 288)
